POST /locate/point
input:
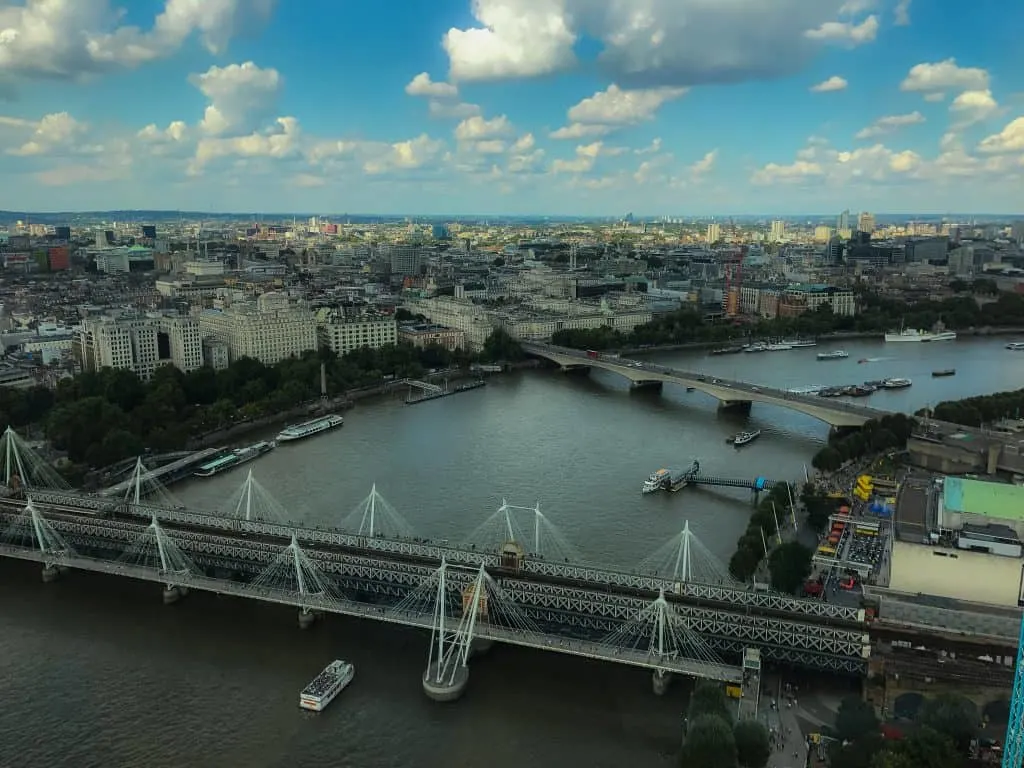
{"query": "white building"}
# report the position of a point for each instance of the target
(138, 344)
(271, 330)
(714, 233)
(778, 232)
(343, 334)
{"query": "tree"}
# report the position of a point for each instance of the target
(789, 565)
(743, 563)
(855, 719)
(499, 346)
(927, 748)
(828, 459)
(709, 699)
(753, 749)
(709, 742)
(954, 716)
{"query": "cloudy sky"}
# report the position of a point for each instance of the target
(590, 107)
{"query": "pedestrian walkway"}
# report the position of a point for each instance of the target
(780, 708)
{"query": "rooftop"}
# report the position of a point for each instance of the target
(999, 501)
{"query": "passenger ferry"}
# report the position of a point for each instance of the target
(912, 334)
(235, 458)
(325, 686)
(309, 428)
(798, 343)
(746, 437)
(656, 481)
(838, 354)
(896, 383)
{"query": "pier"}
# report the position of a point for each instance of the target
(165, 475)
(434, 392)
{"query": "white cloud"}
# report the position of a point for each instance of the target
(73, 38)
(973, 107)
(901, 13)
(477, 128)
(586, 156)
(834, 83)
(422, 85)
(405, 155)
(846, 31)
(890, 124)
(944, 76)
(705, 164)
(449, 110)
(580, 131)
(525, 143)
(649, 42)
(174, 132)
(934, 97)
(237, 93)
(651, 149)
(875, 164)
(54, 133)
(853, 7)
(278, 142)
(1010, 139)
(618, 106)
(491, 147)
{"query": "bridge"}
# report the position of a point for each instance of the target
(514, 580)
(729, 393)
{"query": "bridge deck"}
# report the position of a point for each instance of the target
(535, 640)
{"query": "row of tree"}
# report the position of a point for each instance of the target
(788, 564)
(711, 737)
(101, 417)
(978, 411)
(876, 436)
(939, 737)
(876, 314)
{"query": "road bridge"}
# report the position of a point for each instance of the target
(832, 411)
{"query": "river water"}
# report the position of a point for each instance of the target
(97, 672)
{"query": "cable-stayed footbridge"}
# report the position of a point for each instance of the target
(514, 580)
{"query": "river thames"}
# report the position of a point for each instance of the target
(98, 672)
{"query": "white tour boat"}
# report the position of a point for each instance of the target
(309, 428)
(656, 481)
(896, 383)
(912, 334)
(778, 347)
(1015, 345)
(838, 354)
(325, 686)
(746, 437)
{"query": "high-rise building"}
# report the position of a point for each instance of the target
(714, 232)
(843, 223)
(866, 222)
(822, 234)
(778, 232)
(406, 260)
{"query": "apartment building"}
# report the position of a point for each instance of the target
(271, 329)
(140, 344)
(775, 301)
(343, 333)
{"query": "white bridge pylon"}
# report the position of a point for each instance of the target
(526, 526)
(294, 573)
(26, 468)
(252, 502)
(30, 530)
(685, 559)
(375, 517)
(143, 484)
(156, 550)
(660, 633)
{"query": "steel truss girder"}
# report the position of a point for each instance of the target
(732, 595)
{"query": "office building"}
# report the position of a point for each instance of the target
(343, 333)
(778, 232)
(140, 344)
(714, 233)
(271, 329)
(406, 260)
(843, 222)
(866, 222)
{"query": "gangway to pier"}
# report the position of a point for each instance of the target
(757, 484)
(168, 471)
(427, 389)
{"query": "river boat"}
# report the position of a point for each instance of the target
(860, 390)
(1016, 346)
(656, 481)
(896, 383)
(322, 690)
(309, 428)
(837, 354)
(670, 479)
(746, 437)
(912, 334)
(800, 343)
(780, 347)
(757, 346)
(234, 458)
(727, 350)
(944, 372)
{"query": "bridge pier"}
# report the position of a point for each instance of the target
(173, 594)
(653, 386)
(307, 618)
(445, 682)
(735, 406)
(479, 646)
(50, 574)
(661, 680)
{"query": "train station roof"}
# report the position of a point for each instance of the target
(999, 501)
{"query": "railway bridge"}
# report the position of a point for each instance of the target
(729, 393)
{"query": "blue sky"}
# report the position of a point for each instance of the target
(588, 107)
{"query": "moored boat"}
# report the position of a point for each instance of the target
(324, 687)
(309, 428)
(896, 383)
(656, 481)
(757, 346)
(913, 334)
(798, 343)
(944, 372)
(781, 347)
(234, 458)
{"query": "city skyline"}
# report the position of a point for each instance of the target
(511, 107)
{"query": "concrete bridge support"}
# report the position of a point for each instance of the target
(51, 573)
(445, 680)
(735, 406)
(173, 594)
(653, 386)
(661, 680)
(307, 618)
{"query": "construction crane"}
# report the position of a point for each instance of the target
(1013, 747)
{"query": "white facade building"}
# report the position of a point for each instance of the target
(271, 330)
(343, 334)
(138, 344)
